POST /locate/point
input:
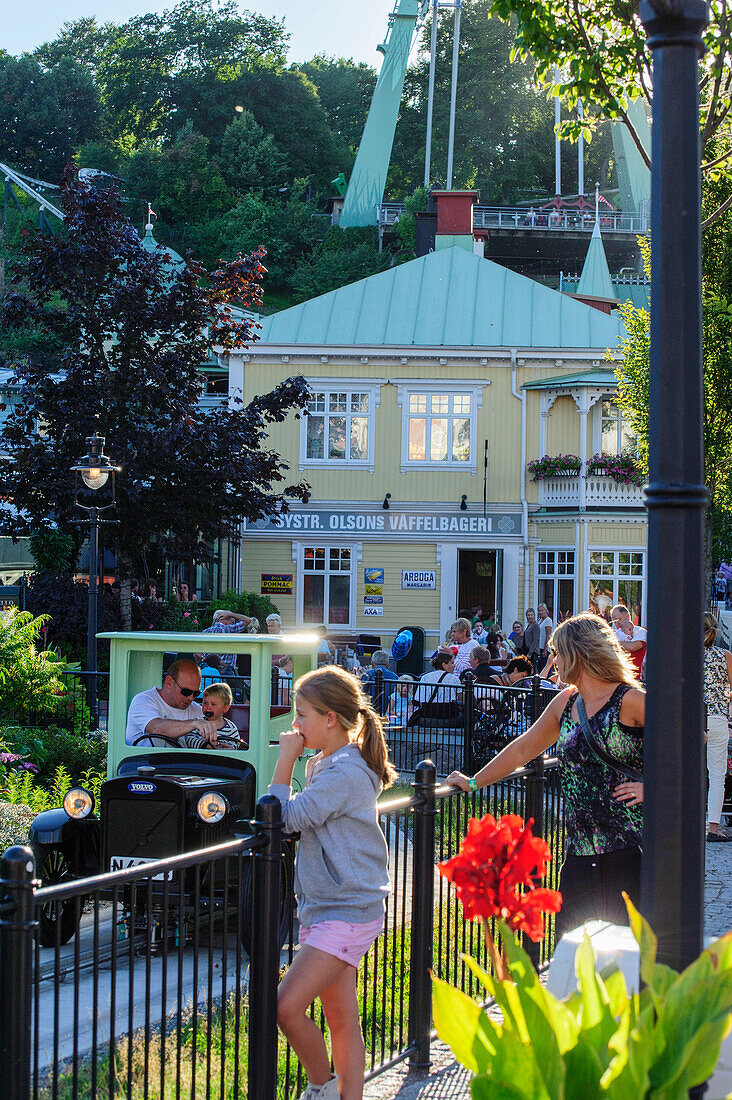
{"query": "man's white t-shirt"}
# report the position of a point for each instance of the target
(150, 704)
(462, 657)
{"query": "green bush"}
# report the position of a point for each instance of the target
(29, 682)
(48, 749)
(22, 788)
(182, 616)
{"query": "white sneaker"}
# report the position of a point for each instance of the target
(328, 1091)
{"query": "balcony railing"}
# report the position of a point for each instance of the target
(522, 220)
(601, 491)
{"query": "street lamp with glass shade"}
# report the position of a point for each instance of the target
(94, 493)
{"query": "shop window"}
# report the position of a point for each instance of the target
(338, 427)
(326, 587)
(555, 573)
(616, 435)
(617, 576)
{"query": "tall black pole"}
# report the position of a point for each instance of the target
(91, 633)
(672, 890)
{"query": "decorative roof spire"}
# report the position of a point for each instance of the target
(595, 281)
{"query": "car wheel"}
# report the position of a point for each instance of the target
(57, 921)
(287, 902)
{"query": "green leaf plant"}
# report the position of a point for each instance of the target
(601, 1041)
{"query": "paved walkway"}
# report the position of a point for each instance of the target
(449, 1081)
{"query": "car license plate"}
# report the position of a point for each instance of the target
(119, 863)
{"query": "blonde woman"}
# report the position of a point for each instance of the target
(341, 871)
(602, 803)
(717, 684)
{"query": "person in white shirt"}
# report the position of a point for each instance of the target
(170, 711)
(633, 639)
(546, 628)
(462, 636)
(443, 674)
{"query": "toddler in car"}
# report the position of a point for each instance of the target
(216, 699)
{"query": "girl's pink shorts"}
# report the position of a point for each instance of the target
(346, 941)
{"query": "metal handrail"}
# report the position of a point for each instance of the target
(109, 879)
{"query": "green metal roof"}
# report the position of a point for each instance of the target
(639, 294)
(449, 298)
(595, 281)
(597, 377)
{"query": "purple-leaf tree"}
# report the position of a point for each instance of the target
(135, 332)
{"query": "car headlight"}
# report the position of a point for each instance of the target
(211, 807)
(78, 803)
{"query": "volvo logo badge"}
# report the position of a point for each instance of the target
(141, 788)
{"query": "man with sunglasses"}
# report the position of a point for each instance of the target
(170, 711)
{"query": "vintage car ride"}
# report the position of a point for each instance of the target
(157, 800)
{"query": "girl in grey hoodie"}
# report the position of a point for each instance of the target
(341, 877)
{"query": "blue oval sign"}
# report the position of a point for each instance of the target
(141, 788)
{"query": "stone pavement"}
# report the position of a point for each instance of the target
(447, 1080)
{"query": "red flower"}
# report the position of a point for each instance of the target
(495, 860)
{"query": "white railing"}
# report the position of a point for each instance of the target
(600, 492)
(523, 220)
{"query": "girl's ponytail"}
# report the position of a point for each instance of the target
(372, 743)
(333, 689)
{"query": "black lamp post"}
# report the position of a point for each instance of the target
(94, 493)
(672, 891)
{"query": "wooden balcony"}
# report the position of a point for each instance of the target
(600, 492)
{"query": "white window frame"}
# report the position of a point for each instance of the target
(617, 576)
(371, 387)
(474, 390)
(298, 557)
(555, 576)
(597, 425)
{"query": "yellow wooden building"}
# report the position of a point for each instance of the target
(434, 384)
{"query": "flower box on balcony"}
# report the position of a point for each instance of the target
(623, 469)
(554, 466)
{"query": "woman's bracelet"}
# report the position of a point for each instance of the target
(472, 785)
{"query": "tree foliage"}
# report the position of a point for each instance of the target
(345, 256)
(45, 113)
(600, 51)
(345, 88)
(135, 333)
(158, 71)
(633, 371)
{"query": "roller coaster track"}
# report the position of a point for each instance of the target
(25, 184)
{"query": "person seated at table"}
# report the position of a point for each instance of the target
(216, 701)
(170, 711)
(518, 672)
(401, 704)
(380, 659)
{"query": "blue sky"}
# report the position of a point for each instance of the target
(342, 28)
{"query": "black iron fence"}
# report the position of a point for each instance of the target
(169, 988)
(458, 727)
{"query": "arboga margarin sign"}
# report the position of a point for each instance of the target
(394, 523)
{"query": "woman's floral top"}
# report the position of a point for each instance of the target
(716, 680)
(595, 821)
